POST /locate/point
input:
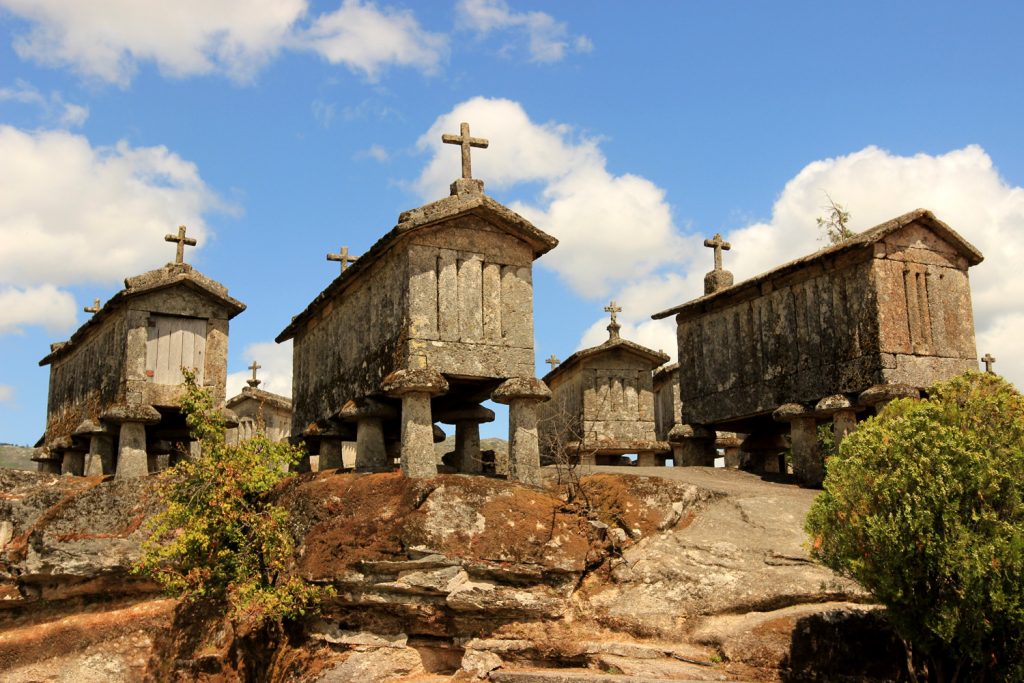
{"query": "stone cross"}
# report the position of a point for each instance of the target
(343, 257)
(182, 241)
(613, 327)
(718, 244)
(95, 308)
(553, 361)
(254, 382)
(989, 361)
(465, 141)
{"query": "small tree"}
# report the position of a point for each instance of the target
(835, 222)
(219, 539)
(924, 506)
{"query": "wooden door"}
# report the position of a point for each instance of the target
(173, 343)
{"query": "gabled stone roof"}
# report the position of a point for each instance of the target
(170, 275)
(860, 241)
(655, 358)
(260, 396)
(457, 205)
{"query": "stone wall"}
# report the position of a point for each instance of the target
(667, 405)
(89, 379)
(351, 343)
(618, 398)
(897, 310)
(471, 300)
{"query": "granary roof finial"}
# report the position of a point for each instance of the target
(718, 278)
(613, 327)
(180, 238)
(95, 308)
(553, 361)
(466, 184)
(254, 382)
(343, 257)
(989, 360)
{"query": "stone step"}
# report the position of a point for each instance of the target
(576, 676)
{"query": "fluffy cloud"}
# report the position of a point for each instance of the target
(366, 39)
(961, 187)
(547, 39)
(580, 202)
(115, 205)
(54, 109)
(45, 306)
(276, 370)
(108, 39)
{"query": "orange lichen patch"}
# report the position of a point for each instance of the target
(641, 504)
(131, 527)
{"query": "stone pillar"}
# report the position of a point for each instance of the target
(808, 464)
(73, 461)
(522, 394)
(765, 452)
(879, 395)
(416, 387)
(330, 454)
(369, 415)
(588, 459)
(647, 459)
(692, 445)
(100, 458)
(132, 460)
(842, 412)
(467, 421)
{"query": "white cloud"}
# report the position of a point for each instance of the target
(275, 373)
(115, 205)
(961, 187)
(54, 109)
(366, 39)
(580, 202)
(108, 39)
(377, 153)
(547, 39)
(6, 393)
(44, 305)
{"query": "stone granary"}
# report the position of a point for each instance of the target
(883, 314)
(668, 425)
(257, 410)
(436, 317)
(602, 403)
(115, 385)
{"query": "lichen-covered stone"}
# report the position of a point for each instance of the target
(521, 388)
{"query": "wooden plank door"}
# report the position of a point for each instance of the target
(173, 343)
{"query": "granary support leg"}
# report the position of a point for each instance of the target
(467, 421)
(132, 460)
(647, 459)
(415, 388)
(73, 462)
(693, 446)
(842, 412)
(369, 416)
(880, 394)
(808, 465)
(522, 394)
(100, 458)
(330, 454)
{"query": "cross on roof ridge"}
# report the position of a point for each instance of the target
(613, 327)
(254, 382)
(718, 244)
(553, 361)
(343, 257)
(989, 360)
(180, 238)
(95, 308)
(464, 140)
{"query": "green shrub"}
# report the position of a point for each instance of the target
(219, 539)
(923, 507)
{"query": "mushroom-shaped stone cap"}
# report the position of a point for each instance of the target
(464, 414)
(330, 430)
(728, 440)
(229, 416)
(883, 393)
(680, 432)
(790, 411)
(146, 414)
(439, 435)
(417, 380)
(367, 407)
(764, 442)
(88, 428)
(833, 404)
(521, 387)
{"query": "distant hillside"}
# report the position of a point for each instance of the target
(16, 457)
(496, 445)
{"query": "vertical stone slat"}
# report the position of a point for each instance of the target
(492, 301)
(471, 314)
(447, 296)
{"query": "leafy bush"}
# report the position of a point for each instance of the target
(924, 507)
(220, 539)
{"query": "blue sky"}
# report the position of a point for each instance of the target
(279, 131)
